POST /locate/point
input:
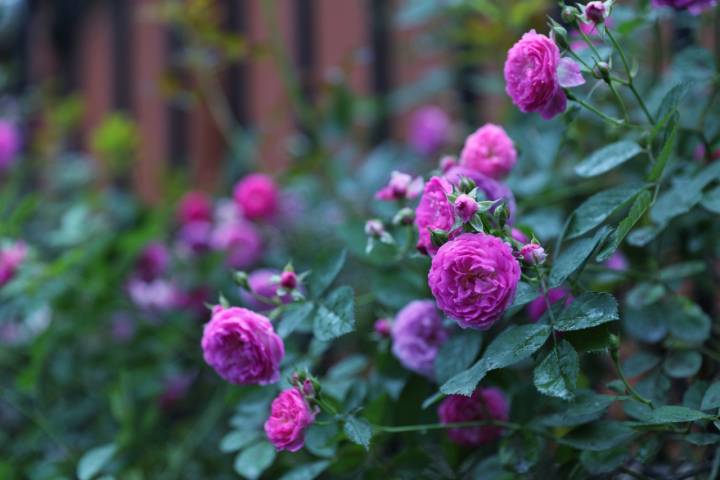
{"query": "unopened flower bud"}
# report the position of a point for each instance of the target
(569, 14)
(466, 185)
(374, 228)
(405, 216)
(465, 207)
(560, 36)
(533, 254)
(595, 12)
(382, 327)
(241, 280)
(601, 71)
(308, 389)
(288, 280)
(439, 237)
(501, 214)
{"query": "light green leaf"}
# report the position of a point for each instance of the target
(253, 461)
(711, 200)
(682, 364)
(94, 460)
(711, 399)
(336, 315)
(320, 439)
(325, 275)
(638, 209)
(574, 256)
(596, 209)
(702, 439)
(237, 439)
(556, 376)
(457, 354)
(607, 158)
(672, 414)
(358, 431)
(588, 310)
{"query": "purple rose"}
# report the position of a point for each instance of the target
(429, 130)
(473, 279)
(153, 261)
(538, 307)
(693, 6)
(263, 284)
(417, 335)
(492, 189)
(533, 254)
(9, 144)
(484, 404)
(465, 207)
(401, 186)
(490, 151)
(290, 415)
(535, 75)
(242, 346)
(156, 295)
(434, 212)
(617, 261)
(240, 241)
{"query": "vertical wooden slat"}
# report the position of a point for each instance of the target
(177, 137)
(238, 88)
(305, 45)
(381, 77)
(120, 18)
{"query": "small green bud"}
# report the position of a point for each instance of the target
(466, 185)
(601, 71)
(241, 280)
(569, 14)
(439, 237)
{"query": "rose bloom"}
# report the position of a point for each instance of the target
(693, 6)
(533, 254)
(242, 346)
(490, 151)
(491, 188)
(194, 237)
(417, 335)
(157, 295)
(535, 75)
(290, 415)
(465, 207)
(262, 284)
(434, 212)
(519, 235)
(194, 207)
(240, 240)
(473, 279)
(484, 404)
(153, 261)
(538, 307)
(257, 196)
(429, 130)
(11, 257)
(401, 186)
(9, 143)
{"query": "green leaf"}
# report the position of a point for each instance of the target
(671, 100)
(324, 276)
(702, 439)
(358, 431)
(574, 256)
(588, 310)
(237, 439)
(682, 364)
(253, 461)
(586, 407)
(598, 436)
(605, 461)
(556, 376)
(513, 345)
(682, 270)
(93, 461)
(596, 209)
(607, 158)
(320, 439)
(638, 209)
(293, 316)
(711, 200)
(687, 321)
(457, 354)
(672, 414)
(646, 323)
(520, 452)
(591, 340)
(336, 315)
(644, 294)
(524, 294)
(683, 195)
(711, 399)
(640, 363)
(309, 471)
(659, 166)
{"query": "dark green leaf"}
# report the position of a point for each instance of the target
(682, 364)
(682, 270)
(687, 321)
(524, 294)
(358, 431)
(605, 461)
(253, 461)
(293, 316)
(711, 399)
(638, 209)
(671, 100)
(591, 340)
(644, 294)
(607, 158)
(659, 166)
(640, 363)
(646, 323)
(598, 436)
(587, 407)
(457, 354)
(574, 256)
(596, 209)
(320, 439)
(336, 315)
(322, 277)
(309, 471)
(520, 452)
(702, 439)
(93, 461)
(588, 310)
(556, 376)
(711, 200)
(672, 414)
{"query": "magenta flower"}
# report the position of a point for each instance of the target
(617, 261)
(417, 334)
(484, 404)
(158, 295)
(240, 240)
(491, 188)
(490, 151)
(535, 75)
(383, 327)
(473, 279)
(465, 207)
(242, 346)
(11, 257)
(194, 207)
(693, 6)
(538, 307)
(194, 237)
(401, 186)
(257, 196)
(596, 12)
(434, 212)
(519, 235)
(290, 415)
(533, 254)
(153, 261)
(9, 143)
(264, 284)
(429, 130)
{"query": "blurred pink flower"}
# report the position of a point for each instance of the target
(401, 186)
(257, 196)
(490, 151)
(194, 206)
(484, 404)
(240, 240)
(9, 143)
(156, 295)
(429, 130)
(11, 257)
(290, 415)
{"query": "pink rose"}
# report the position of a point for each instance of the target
(290, 415)
(240, 240)
(535, 75)
(158, 294)
(484, 404)
(429, 130)
(263, 285)
(257, 196)
(473, 279)
(383, 327)
(401, 186)
(11, 257)
(538, 307)
(693, 6)
(596, 12)
(533, 254)
(194, 207)
(9, 143)
(489, 151)
(242, 346)
(491, 188)
(434, 212)
(153, 261)
(465, 207)
(418, 334)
